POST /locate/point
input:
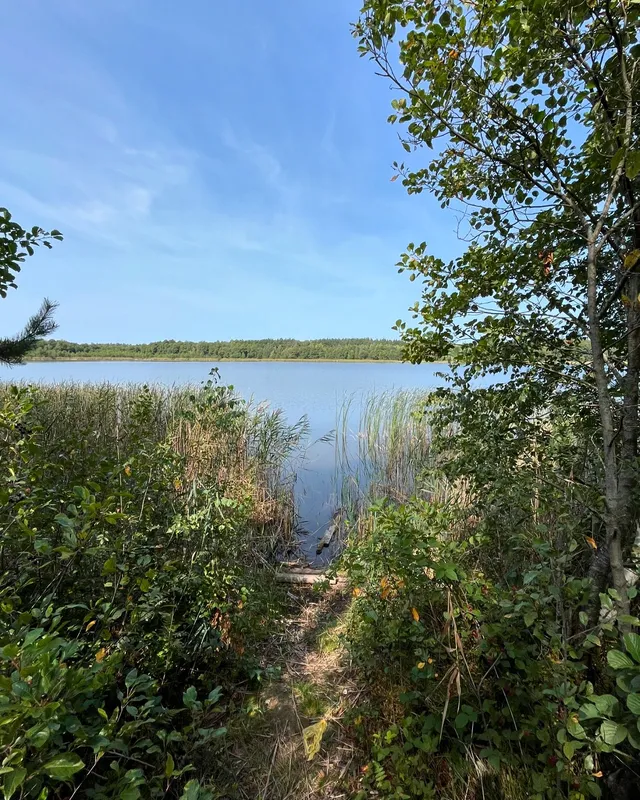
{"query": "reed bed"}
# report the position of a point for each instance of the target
(383, 448)
(250, 449)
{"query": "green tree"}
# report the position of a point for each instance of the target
(530, 113)
(16, 244)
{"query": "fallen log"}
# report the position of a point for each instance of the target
(303, 570)
(331, 531)
(309, 578)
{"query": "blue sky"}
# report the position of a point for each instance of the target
(219, 170)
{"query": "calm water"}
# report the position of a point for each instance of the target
(312, 388)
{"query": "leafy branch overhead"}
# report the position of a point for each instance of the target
(16, 244)
(527, 114)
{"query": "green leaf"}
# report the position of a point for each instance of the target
(569, 748)
(190, 697)
(634, 739)
(618, 660)
(632, 643)
(9, 651)
(13, 781)
(64, 766)
(451, 574)
(169, 766)
(605, 703)
(529, 618)
(575, 728)
(606, 602)
(33, 635)
(633, 164)
(109, 566)
(64, 521)
(623, 683)
(612, 733)
(589, 711)
(461, 720)
(615, 161)
(193, 791)
(215, 694)
(633, 703)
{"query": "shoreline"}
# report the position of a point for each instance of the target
(224, 360)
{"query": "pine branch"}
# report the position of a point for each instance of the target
(41, 324)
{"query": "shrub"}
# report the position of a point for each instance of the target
(130, 586)
(479, 679)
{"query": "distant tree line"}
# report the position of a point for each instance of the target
(237, 349)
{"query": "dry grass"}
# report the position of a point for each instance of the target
(266, 745)
(249, 451)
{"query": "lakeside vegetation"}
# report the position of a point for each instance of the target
(141, 529)
(478, 635)
(235, 350)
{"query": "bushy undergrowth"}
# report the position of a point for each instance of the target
(470, 621)
(134, 529)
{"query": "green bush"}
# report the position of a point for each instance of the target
(478, 679)
(130, 588)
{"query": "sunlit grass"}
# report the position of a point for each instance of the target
(252, 450)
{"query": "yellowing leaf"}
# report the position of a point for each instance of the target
(90, 625)
(101, 654)
(357, 592)
(632, 259)
(597, 774)
(395, 178)
(592, 542)
(127, 470)
(420, 665)
(312, 738)
(415, 614)
(384, 583)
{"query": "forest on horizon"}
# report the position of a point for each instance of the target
(237, 349)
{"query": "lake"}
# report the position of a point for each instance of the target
(315, 389)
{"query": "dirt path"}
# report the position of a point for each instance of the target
(268, 758)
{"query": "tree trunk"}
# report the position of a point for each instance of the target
(616, 512)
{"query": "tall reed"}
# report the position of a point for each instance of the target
(383, 447)
(250, 449)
